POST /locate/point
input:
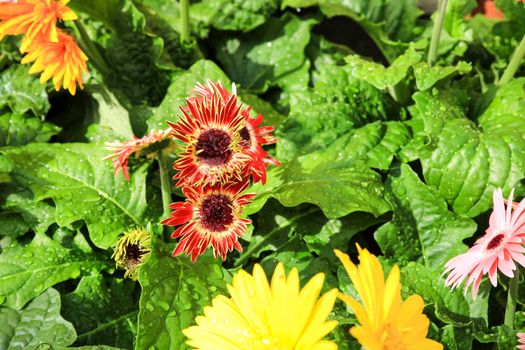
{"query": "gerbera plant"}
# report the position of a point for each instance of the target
(276, 315)
(400, 151)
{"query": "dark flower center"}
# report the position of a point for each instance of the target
(245, 137)
(216, 212)
(133, 253)
(495, 242)
(213, 147)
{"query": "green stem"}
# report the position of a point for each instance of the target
(91, 50)
(184, 21)
(164, 184)
(436, 32)
(512, 298)
(263, 241)
(514, 63)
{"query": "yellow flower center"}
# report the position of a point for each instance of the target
(393, 340)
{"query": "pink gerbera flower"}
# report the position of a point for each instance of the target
(499, 249)
(211, 215)
(521, 341)
(138, 146)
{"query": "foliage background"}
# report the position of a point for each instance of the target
(402, 160)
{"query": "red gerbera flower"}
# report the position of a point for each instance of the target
(210, 215)
(251, 136)
(210, 128)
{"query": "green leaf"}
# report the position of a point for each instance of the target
(422, 228)
(388, 23)
(277, 226)
(27, 271)
(375, 143)
(38, 323)
(427, 76)
(455, 338)
(92, 310)
(22, 92)
(466, 163)
(504, 115)
(271, 55)
(108, 112)
(450, 306)
(17, 129)
(379, 76)
(338, 187)
(240, 15)
(454, 21)
(174, 291)
(182, 84)
(83, 187)
(140, 79)
(20, 213)
(337, 105)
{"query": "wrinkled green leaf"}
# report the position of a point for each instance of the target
(38, 323)
(422, 229)
(91, 307)
(450, 306)
(22, 92)
(133, 55)
(272, 55)
(337, 105)
(174, 291)
(427, 76)
(20, 212)
(65, 173)
(379, 76)
(464, 162)
(17, 129)
(338, 187)
(388, 23)
(27, 271)
(243, 15)
(455, 338)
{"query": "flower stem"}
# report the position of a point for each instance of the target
(512, 297)
(91, 50)
(164, 184)
(184, 21)
(514, 63)
(436, 32)
(265, 239)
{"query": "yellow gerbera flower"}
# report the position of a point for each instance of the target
(259, 316)
(33, 17)
(62, 60)
(386, 322)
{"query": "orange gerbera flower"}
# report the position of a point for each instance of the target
(34, 18)
(63, 60)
